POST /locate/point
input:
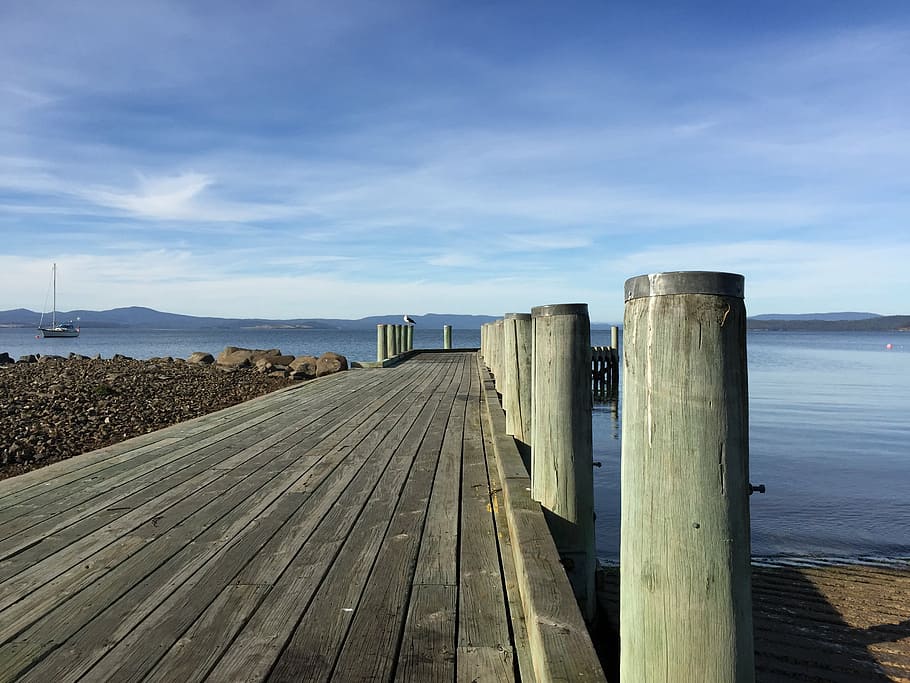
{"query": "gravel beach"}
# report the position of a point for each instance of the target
(57, 408)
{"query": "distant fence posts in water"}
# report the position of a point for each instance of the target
(685, 595)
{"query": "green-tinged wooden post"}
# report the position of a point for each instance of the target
(496, 352)
(562, 452)
(447, 336)
(409, 333)
(516, 375)
(381, 348)
(390, 341)
(399, 332)
(483, 343)
(686, 603)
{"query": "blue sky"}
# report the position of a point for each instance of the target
(304, 159)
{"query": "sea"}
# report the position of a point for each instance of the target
(829, 426)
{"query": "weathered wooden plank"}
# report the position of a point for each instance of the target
(191, 657)
(249, 457)
(437, 562)
(370, 650)
(310, 654)
(485, 664)
(482, 620)
(428, 644)
(263, 638)
(135, 652)
(173, 569)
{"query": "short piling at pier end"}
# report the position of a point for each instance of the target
(685, 605)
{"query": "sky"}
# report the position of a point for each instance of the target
(346, 159)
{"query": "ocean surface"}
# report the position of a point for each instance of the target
(829, 426)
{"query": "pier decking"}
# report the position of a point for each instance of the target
(350, 528)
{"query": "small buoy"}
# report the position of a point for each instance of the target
(889, 346)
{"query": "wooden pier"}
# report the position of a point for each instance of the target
(370, 525)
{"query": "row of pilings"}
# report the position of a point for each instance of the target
(685, 606)
(395, 340)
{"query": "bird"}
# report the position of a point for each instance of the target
(409, 320)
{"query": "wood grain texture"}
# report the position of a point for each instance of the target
(686, 602)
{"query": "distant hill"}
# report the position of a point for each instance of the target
(147, 318)
(139, 317)
(883, 323)
(849, 315)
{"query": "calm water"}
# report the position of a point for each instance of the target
(829, 425)
(829, 437)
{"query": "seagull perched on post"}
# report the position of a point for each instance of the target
(409, 320)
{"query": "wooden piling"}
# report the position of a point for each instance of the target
(390, 341)
(614, 337)
(447, 336)
(409, 337)
(381, 348)
(516, 394)
(497, 354)
(686, 607)
(562, 452)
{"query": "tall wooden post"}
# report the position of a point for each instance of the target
(516, 375)
(614, 337)
(686, 604)
(496, 352)
(399, 336)
(562, 452)
(390, 340)
(447, 336)
(409, 335)
(381, 352)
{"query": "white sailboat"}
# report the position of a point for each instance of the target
(67, 329)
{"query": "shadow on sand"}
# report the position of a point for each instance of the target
(812, 623)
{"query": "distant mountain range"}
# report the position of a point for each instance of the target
(847, 315)
(147, 318)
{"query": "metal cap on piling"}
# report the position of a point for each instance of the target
(559, 309)
(685, 282)
(517, 316)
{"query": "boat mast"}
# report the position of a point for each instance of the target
(54, 321)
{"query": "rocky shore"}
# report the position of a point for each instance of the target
(52, 408)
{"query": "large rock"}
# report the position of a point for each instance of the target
(5, 359)
(329, 363)
(235, 357)
(303, 367)
(238, 357)
(201, 358)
